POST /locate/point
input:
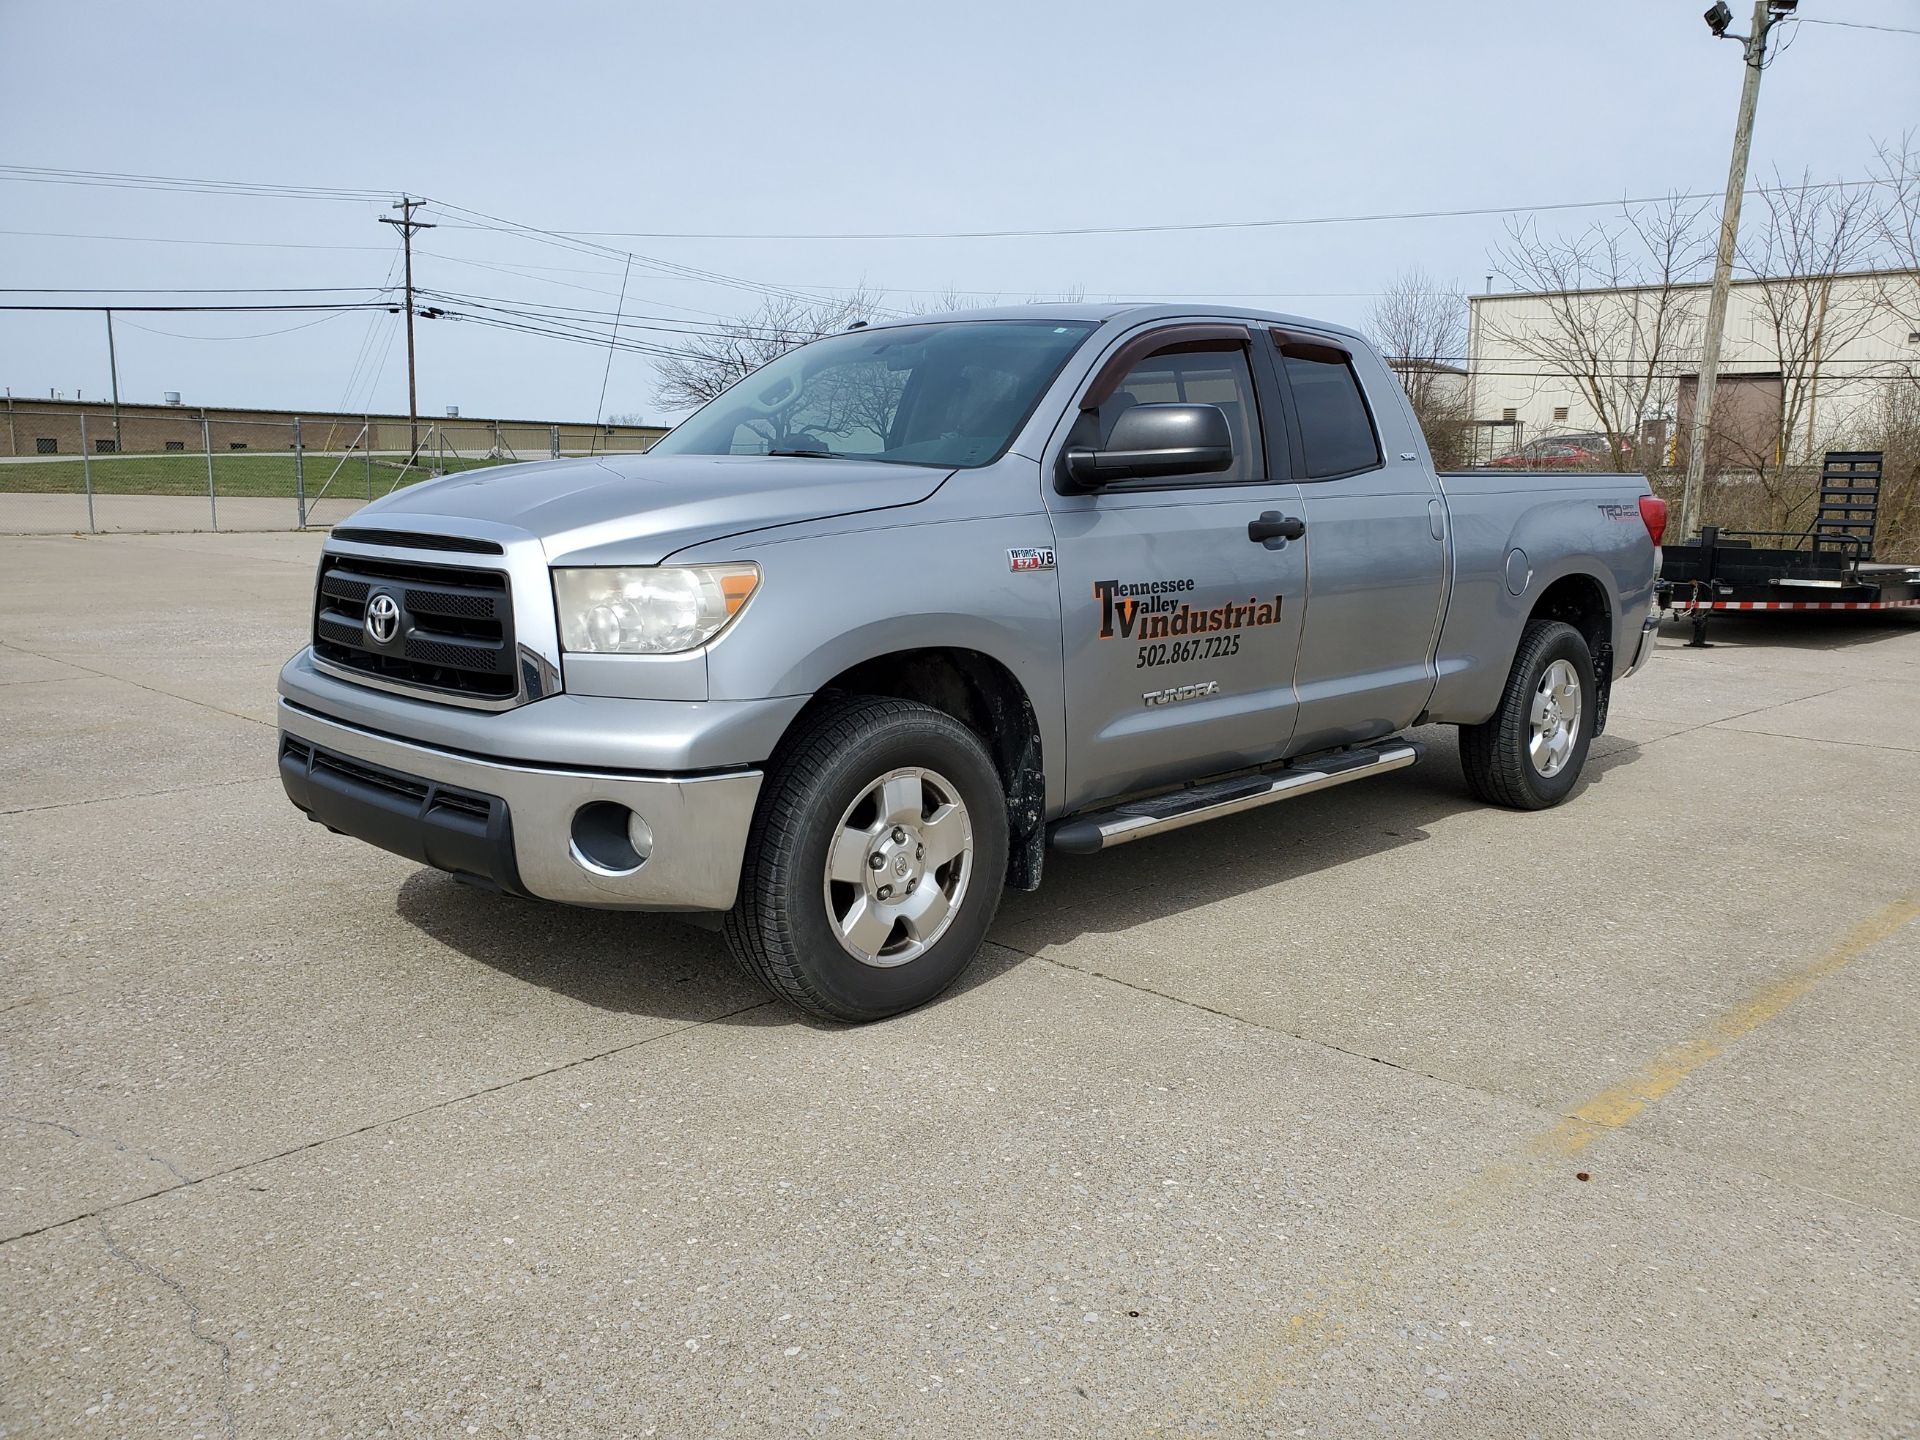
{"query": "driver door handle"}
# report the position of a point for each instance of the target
(1272, 525)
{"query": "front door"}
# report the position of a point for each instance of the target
(1180, 630)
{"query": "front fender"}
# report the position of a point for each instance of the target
(828, 602)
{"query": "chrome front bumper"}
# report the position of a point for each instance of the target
(698, 822)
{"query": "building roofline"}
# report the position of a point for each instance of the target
(1739, 282)
(30, 403)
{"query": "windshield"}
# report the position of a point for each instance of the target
(949, 394)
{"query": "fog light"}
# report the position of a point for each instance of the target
(610, 839)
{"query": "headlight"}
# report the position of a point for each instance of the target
(658, 610)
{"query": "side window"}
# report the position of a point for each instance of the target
(1336, 432)
(1197, 377)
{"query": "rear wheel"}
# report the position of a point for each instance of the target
(875, 862)
(1530, 752)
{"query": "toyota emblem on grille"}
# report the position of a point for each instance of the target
(383, 618)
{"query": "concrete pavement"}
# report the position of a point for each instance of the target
(64, 514)
(1378, 1112)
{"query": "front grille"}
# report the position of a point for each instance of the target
(454, 632)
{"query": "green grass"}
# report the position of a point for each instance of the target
(234, 473)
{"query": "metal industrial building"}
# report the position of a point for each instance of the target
(1804, 363)
(53, 427)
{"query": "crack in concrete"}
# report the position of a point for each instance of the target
(1546, 1111)
(371, 1125)
(46, 999)
(1821, 739)
(196, 1323)
(1727, 719)
(150, 689)
(120, 1145)
(43, 680)
(1239, 1019)
(142, 794)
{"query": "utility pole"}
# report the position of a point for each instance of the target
(1754, 52)
(406, 225)
(113, 367)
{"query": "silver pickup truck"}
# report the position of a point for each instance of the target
(854, 645)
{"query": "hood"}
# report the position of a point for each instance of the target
(639, 509)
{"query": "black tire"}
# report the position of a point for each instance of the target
(779, 929)
(1495, 756)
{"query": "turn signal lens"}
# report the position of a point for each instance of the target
(1653, 514)
(655, 610)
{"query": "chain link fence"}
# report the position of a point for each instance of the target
(84, 469)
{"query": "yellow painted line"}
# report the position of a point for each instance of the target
(1617, 1104)
(1290, 1348)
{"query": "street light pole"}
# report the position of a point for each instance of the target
(1755, 55)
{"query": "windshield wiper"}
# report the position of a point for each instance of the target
(807, 454)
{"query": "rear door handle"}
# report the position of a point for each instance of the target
(1272, 525)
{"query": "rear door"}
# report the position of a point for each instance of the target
(1376, 533)
(1179, 630)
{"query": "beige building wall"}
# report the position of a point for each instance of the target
(28, 427)
(1509, 380)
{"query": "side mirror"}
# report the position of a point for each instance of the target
(1149, 441)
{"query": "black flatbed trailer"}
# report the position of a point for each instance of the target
(1828, 566)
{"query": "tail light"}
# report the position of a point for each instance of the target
(1653, 514)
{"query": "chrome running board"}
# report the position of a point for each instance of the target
(1157, 814)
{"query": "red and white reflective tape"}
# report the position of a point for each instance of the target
(1799, 605)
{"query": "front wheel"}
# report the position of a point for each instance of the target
(1530, 752)
(875, 862)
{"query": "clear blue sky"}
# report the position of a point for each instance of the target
(756, 118)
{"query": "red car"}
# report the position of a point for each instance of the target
(1563, 452)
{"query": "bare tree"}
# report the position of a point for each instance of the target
(706, 364)
(1618, 306)
(1897, 230)
(1421, 327)
(1805, 251)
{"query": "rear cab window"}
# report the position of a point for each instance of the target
(1336, 430)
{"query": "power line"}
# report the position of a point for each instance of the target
(665, 267)
(55, 175)
(161, 290)
(1183, 226)
(254, 335)
(613, 336)
(179, 240)
(1855, 25)
(211, 309)
(526, 273)
(596, 341)
(577, 314)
